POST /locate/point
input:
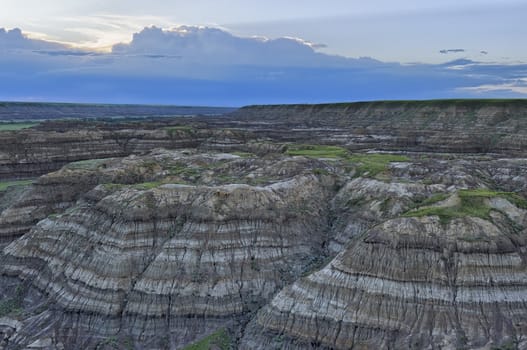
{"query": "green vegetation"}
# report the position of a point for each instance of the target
(317, 151)
(183, 171)
(435, 198)
(376, 163)
(13, 306)
(147, 185)
(16, 126)
(6, 184)
(320, 171)
(228, 179)
(10, 307)
(219, 339)
(369, 164)
(113, 187)
(471, 203)
(512, 197)
(445, 214)
(175, 130)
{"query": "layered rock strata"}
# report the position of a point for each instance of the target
(425, 126)
(287, 246)
(136, 261)
(436, 126)
(413, 283)
(30, 153)
(56, 192)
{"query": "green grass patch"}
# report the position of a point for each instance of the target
(512, 197)
(320, 171)
(375, 163)
(112, 186)
(175, 130)
(472, 203)
(228, 179)
(218, 339)
(6, 184)
(182, 170)
(147, 185)
(16, 126)
(317, 151)
(446, 214)
(371, 164)
(435, 198)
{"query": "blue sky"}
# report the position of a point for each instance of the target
(234, 52)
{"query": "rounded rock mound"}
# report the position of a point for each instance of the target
(424, 281)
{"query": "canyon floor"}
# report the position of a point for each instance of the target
(383, 225)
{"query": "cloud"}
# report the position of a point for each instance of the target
(447, 51)
(483, 52)
(518, 86)
(210, 66)
(219, 47)
(14, 40)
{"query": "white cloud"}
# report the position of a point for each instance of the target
(13, 39)
(518, 87)
(96, 32)
(200, 44)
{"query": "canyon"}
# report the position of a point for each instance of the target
(374, 225)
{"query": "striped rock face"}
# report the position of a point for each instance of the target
(412, 282)
(151, 259)
(300, 247)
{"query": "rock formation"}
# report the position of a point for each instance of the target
(239, 234)
(458, 126)
(413, 283)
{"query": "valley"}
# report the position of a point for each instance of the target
(375, 225)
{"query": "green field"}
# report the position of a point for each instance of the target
(6, 184)
(472, 203)
(373, 164)
(16, 126)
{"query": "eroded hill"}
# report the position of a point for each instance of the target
(256, 238)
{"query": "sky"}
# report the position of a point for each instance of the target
(234, 52)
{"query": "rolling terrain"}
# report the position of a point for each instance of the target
(382, 225)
